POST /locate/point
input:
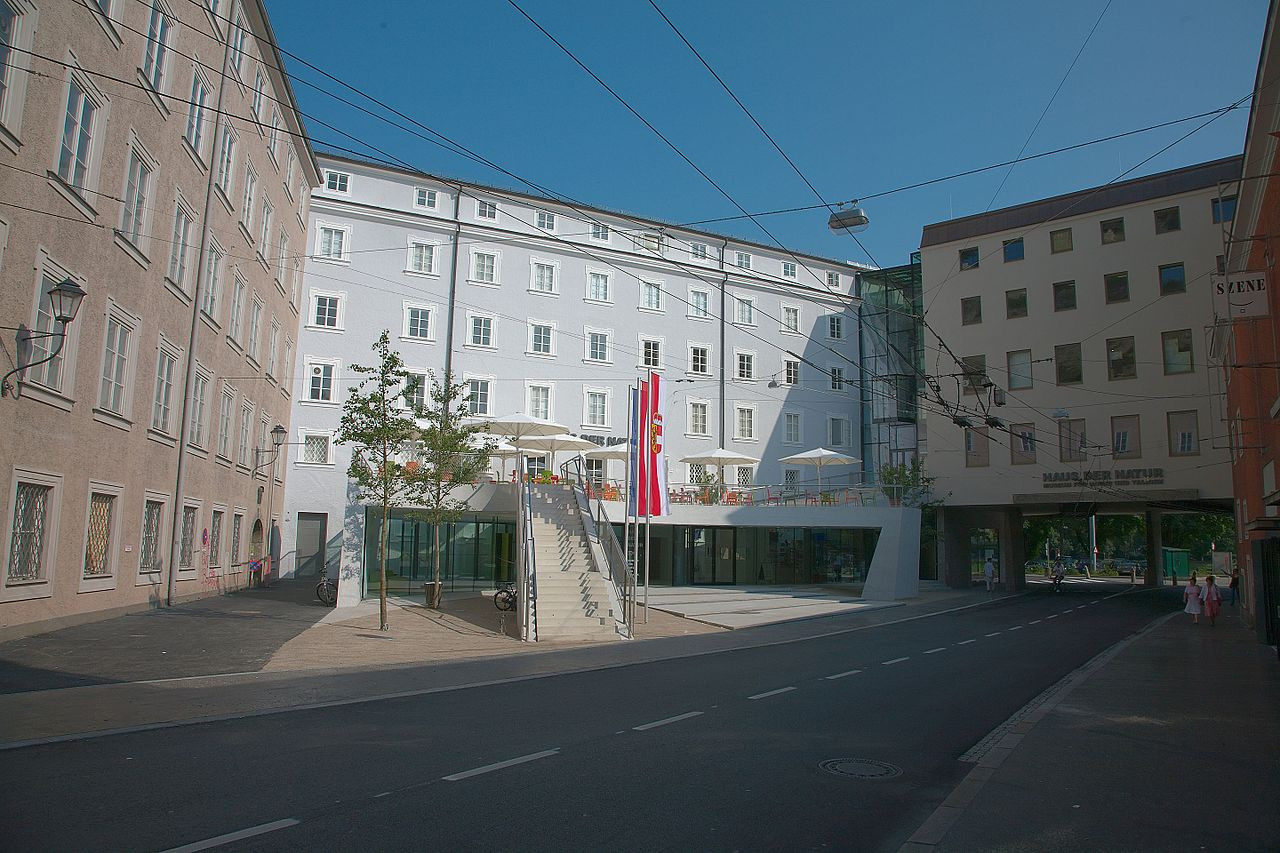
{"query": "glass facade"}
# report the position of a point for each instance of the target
(477, 553)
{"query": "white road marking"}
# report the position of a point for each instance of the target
(772, 693)
(501, 765)
(966, 642)
(220, 840)
(657, 723)
(1082, 607)
(1034, 622)
(938, 649)
(892, 662)
(1017, 627)
(1066, 611)
(1093, 602)
(843, 674)
(994, 633)
(1052, 616)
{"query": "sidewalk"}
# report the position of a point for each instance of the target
(1169, 742)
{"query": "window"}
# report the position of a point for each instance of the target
(215, 538)
(788, 269)
(186, 552)
(246, 204)
(1064, 296)
(136, 199)
(255, 328)
(1022, 444)
(320, 387)
(1173, 279)
(1019, 369)
(651, 295)
(237, 522)
(977, 447)
(835, 327)
(969, 258)
(543, 277)
(336, 182)
(595, 472)
(77, 135)
(1071, 440)
(15, 36)
(282, 258)
(746, 365)
(1184, 433)
(486, 210)
(482, 331)
(790, 319)
(153, 61)
(199, 393)
(1177, 351)
(196, 111)
(698, 251)
(698, 473)
(791, 428)
(598, 346)
(115, 365)
(242, 447)
(1112, 230)
(649, 243)
(180, 246)
(1060, 241)
(1126, 438)
(478, 396)
(540, 402)
(98, 561)
(838, 433)
(424, 198)
(484, 267)
(331, 243)
(600, 231)
(417, 322)
(597, 408)
(149, 559)
(326, 311)
(651, 353)
(227, 160)
(1116, 287)
(238, 33)
(744, 474)
(699, 359)
(1169, 219)
(746, 311)
(975, 373)
(837, 378)
(259, 87)
(699, 304)
(50, 373)
(415, 391)
(315, 450)
(1015, 303)
(1122, 359)
(264, 234)
(273, 136)
(791, 372)
(30, 533)
(422, 258)
(238, 289)
(1013, 250)
(1224, 209)
(744, 423)
(833, 279)
(971, 310)
(546, 221)
(742, 260)
(226, 405)
(161, 407)
(598, 286)
(540, 342)
(697, 418)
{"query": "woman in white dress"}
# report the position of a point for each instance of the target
(1191, 594)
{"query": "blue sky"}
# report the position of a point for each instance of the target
(864, 97)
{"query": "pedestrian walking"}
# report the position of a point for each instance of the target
(1235, 586)
(989, 572)
(1212, 599)
(1191, 595)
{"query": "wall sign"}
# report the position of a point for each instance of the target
(1118, 477)
(1240, 294)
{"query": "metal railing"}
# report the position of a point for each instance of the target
(528, 586)
(763, 495)
(619, 572)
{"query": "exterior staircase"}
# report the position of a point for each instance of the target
(573, 600)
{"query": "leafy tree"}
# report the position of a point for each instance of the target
(1199, 532)
(908, 483)
(379, 420)
(446, 454)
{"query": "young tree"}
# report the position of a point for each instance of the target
(379, 419)
(448, 452)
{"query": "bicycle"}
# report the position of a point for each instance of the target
(505, 598)
(327, 589)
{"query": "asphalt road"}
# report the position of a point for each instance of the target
(721, 751)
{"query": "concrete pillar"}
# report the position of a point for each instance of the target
(1013, 551)
(954, 531)
(1154, 543)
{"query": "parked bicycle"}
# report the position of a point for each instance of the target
(505, 598)
(327, 589)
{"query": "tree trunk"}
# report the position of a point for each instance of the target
(436, 592)
(382, 565)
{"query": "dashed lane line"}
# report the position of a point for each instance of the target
(667, 721)
(1052, 616)
(994, 633)
(769, 693)
(1017, 627)
(1034, 622)
(843, 674)
(895, 660)
(501, 765)
(239, 835)
(966, 642)
(935, 651)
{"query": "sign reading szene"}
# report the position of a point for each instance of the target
(1088, 479)
(1240, 294)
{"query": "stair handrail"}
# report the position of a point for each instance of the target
(621, 578)
(529, 569)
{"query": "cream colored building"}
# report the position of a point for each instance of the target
(153, 154)
(1081, 326)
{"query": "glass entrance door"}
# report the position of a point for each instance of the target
(724, 554)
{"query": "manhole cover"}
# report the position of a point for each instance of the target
(861, 768)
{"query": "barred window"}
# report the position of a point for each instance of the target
(315, 449)
(97, 551)
(26, 550)
(215, 539)
(149, 556)
(236, 522)
(187, 557)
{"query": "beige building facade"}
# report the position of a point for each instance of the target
(152, 154)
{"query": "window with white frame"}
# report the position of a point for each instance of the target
(698, 473)
(700, 359)
(273, 135)
(788, 269)
(246, 202)
(32, 530)
(746, 364)
(273, 347)
(478, 395)
(835, 327)
(838, 434)
(320, 380)
(246, 423)
(337, 182)
(327, 309)
(264, 234)
(17, 21)
(333, 242)
(542, 277)
(833, 279)
(541, 338)
(790, 372)
(259, 89)
(699, 304)
(698, 417)
(315, 448)
(235, 321)
(791, 319)
(255, 327)
(745, 475)
(117, 351)
(196, 111)
(648, 243)
(76, 154)
(744, 423)
(791, 428)
(481, 331)
(698, 251)
(99, 558)
(651, 353)
(486, 209)
(200, 383)
(415, 391)
(227, 161)
(151, 540)
(484, 267)
(282, 258)
(598, 346)
(598, 286)
(837, 378)
(790, 476)
(137, 195)
(50, 374)
(422, 258)
(180, 245)
(651, 295)
(600, 231)
(233, 556)
(417, 322)
(745, 311)
(215, 537)
(226, 409)
(540, 402)
(425, 198)
(162, 399)
(546, 221)
(595, 408)
(1184, 433)
(186, 549)
(154, 59)
(743, 260)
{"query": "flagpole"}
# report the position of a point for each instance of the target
(626, 495)
(650, 477)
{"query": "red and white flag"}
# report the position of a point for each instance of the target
(655, 408)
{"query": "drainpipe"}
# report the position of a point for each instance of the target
(184, 429)
(724, 281)
(453, 288)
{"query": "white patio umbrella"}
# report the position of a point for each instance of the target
(553, 444)
(613, 451)
(720, 458)
(501, 450)
(820, 458)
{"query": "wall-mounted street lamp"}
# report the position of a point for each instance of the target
(64, 303)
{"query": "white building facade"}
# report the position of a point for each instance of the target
(555, 311)
(1081, 326)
